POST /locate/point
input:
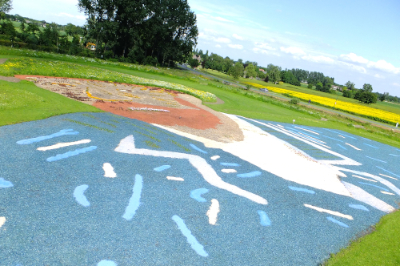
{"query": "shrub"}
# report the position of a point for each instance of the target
(294, 101)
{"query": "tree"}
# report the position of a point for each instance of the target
(350, 85)
(327, 84)
(250, 71)
(165, 30)
(383, 96)
(365, 95)
(5, 6)
(367, 87)
(274, 73)
(319, 86)
(193, 62)
(237, 70)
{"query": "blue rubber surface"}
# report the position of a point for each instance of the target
(65, 212)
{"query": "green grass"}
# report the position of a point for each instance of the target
(381, 247)
(23, 101)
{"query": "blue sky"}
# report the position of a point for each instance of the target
(348, 40)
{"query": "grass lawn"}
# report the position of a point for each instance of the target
(23, 101)
(381, 247)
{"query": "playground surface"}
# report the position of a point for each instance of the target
(102, 189)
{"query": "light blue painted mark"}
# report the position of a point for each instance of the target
(303, 133)
(342, 146)
(196, 246)
(375, 159)
(63, 132)
(337, 222)
(230, 164)
(80, 197)
(334, 139)
(388, 172)
(372, 185)
(264, 219)
(251, 174)
(196, 194)
(134, 201)
(70, 154)
(371, 145)
(394, 155)
(312, 129)
(106, 263)
(358, 207)
(5, 183)
(302, 189)
(340, 133)
(162, 168)
(197, 148)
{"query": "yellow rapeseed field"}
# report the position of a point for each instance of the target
(341, 105)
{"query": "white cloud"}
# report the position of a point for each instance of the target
(355, 67)
(293, 50)
(218, 46)
(264, 46)
(396, 84)
(62, 14)
(262, 51)
(237, 37)
(222, 40)
(379, 76)
(223, 19)
(236, 46)
(384, 66)
(351, 57)
(318, 59)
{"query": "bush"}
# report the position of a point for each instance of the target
(294, 101)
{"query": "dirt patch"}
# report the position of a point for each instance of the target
(150, 104)
(10, 79)
(3, 60)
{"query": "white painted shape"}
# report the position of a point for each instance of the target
(63, 144)
(387, 193)
(215, 157)
(127, 145)
(361, 195)
(212, 213)
(338, 214)
(341, 136)
(271, 154)
(173, 178)
(307, 130)
(109, 170)
(354, 147)
(2, 221)
(228, 171)
(365, 178)
(389, 176)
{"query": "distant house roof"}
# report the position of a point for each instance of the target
(196, 56)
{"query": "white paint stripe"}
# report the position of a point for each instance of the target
(387, 193)
(354, 147)
(109, 170)
(63, 144)
(215, 157)
(365, 178)
(349, 217)
(127, 145)
(2, 221)
(362, 195)
(228, 171)
(212, 213)
(173, 178)
(341, 136)
(307, 130)
(389, 176)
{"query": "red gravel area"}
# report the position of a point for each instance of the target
(193, 118)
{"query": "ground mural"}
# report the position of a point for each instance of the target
(99, 189)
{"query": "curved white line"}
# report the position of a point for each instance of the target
(63, 144)
(212, 213)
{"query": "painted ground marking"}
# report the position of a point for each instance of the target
(63, 144)
(372, 185)
(375, 159)
(2, 221)
(106, 263)
(134, 201)
(196, 246)
(80, 197)
(228, 171)
(63, 132)
(341, 136)
(360, 177)
(230, 164)
(358, 207)
(336, 221)
(250, 174)
(371, 145)
(349, 217)
(109, 170)
(70, 154)
(333, 139)
(162, 168)
(5, 183)
(388, 176)
(173, 178)
(302, 189)
(215, 157)
(213, 211)
(196, 194)
(394, 155)
(197, 148)
(341, 146)
(264, 219)
(354, 147)
(388, 171)
(387, 193)
(307, 130)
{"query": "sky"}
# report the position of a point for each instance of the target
(355, 41)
